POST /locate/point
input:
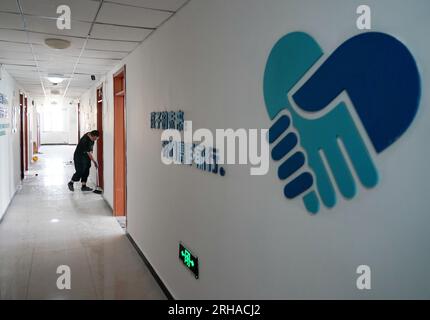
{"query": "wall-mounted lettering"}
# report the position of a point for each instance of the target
(167, 120)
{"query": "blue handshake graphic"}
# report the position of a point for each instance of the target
(381, 78)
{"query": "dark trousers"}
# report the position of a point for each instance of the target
(82, 167)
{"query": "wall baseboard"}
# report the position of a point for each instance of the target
(151, 269)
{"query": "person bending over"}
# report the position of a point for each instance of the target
(82, 157)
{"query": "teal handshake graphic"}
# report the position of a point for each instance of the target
(381, 79)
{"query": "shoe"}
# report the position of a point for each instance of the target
(70, 185)
(85, 188)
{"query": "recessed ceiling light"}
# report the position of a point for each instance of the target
(56, 43)
(55, 78)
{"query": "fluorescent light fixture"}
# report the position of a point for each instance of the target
(55, 78)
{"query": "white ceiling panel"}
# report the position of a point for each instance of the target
(80, 9)
(35, 85)
(40, 49)
(68, 66)
(55, 57)
(56, 68)
(101, 62)
(131, 16)
(10, 20)
(30, 74)
(12, 35)
(171, 5)
(21, 68)
(91, 68)
(9, 5)
(72, 89)
(16, 55)
(79, 29)
(32, 87)
(14, 47)
(17, 61)
(74, 85)
(77, 90)
(111, 45)
(88, 53)
(30, 82)
(78, 86)
(119, 33)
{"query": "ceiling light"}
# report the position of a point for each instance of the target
(58, 44)
(55, 78)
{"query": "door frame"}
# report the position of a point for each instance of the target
(121, 73)
(21, 134)
(79, 121)
(38, 130)
(26, 149)
(100, 149)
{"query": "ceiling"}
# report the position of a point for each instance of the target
(101, 34)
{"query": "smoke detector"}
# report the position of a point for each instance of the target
(58, 44)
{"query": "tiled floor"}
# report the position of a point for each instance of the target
(47, 226)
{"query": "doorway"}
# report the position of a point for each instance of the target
(120, 162)
(100, 139)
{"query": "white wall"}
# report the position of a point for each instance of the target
(9, 145)
(55, 137)
(253, 243)
(72, 135)
(69, 117)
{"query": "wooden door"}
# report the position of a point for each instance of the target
(26, 134)
(119, 144)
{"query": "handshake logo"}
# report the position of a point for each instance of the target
(372, 76)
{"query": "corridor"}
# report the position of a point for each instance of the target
(47, 226)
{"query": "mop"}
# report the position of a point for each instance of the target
(98, 189)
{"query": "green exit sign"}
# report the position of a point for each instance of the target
(190, 261)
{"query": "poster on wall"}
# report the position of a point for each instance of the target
(3, 107)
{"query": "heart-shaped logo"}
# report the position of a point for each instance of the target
(381, 78)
